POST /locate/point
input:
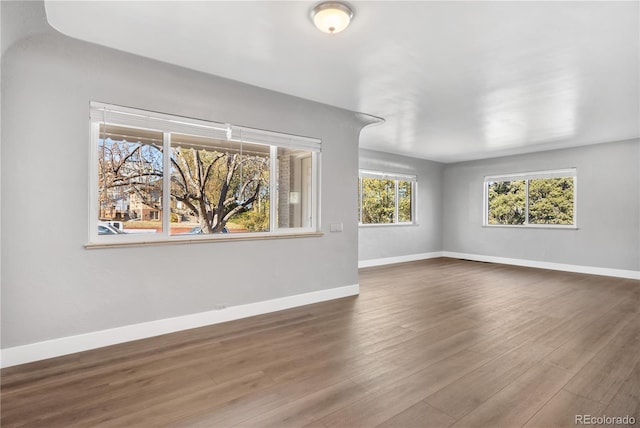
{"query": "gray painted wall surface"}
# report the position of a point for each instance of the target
(21, 19)
(608, 209)
(53, 287)
(392, 241)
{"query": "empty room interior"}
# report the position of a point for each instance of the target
(320, 214)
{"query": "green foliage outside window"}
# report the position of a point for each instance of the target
(404, 201)
(551, 201)
(378, 201)
(507, 202)
(385, 200)
(256, 219)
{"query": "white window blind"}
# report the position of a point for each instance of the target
(112, 114)
(556, 173)
(259, 136)
(387, 176)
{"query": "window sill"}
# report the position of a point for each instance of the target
(388, 225)
(202, 239)
(531, 226)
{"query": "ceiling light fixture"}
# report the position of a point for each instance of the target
(331, 17)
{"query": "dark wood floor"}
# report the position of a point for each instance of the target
(434, 343)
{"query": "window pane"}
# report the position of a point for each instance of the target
(506, 202)
(551, 201)
(404, 201)
(378, 201)
(218, 186)
(295, 174)
(129, 180)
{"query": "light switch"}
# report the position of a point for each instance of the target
(336, 227)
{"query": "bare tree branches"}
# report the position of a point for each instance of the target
(210, 185)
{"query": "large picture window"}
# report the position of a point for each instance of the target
(158, 177)
(386, 198)
(545, 198)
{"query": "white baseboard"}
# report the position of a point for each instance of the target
(97, 339)
(398, 259)
(618, 273)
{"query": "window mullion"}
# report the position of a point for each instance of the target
(414, 206)
(94, 203)
(166, 184)
(396, 219)
(485, 201)
(273, 186)
(526, 202)
(575, 201)
(315, 191)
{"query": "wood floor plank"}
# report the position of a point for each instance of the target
(563, 410)
(462, 396)
(515, 404)
(391, 398)
(309, 408)
(626, 402)
(203, 413)
(420, 415)
(582, 346)
(601, 378)
(441, 342)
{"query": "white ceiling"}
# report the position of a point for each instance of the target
(453, 80)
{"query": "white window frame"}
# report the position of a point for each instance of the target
(526, 176)
(413, 179)
(102, 113)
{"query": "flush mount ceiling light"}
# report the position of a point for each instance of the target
(331, 16)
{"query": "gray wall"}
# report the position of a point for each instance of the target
(375, 242)
(608, 209)
(53, 287)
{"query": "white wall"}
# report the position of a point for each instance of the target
(608, 209)
(379, 244)
(52, 287)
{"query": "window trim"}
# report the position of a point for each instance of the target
(102, 113)
(527, 176)
(396, 177)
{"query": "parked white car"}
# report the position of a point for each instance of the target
(108, 229)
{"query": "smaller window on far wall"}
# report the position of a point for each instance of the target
(386, 198)
(543, 198)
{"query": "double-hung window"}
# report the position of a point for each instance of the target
(386, 198)
(157, 177)
(535, 199)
